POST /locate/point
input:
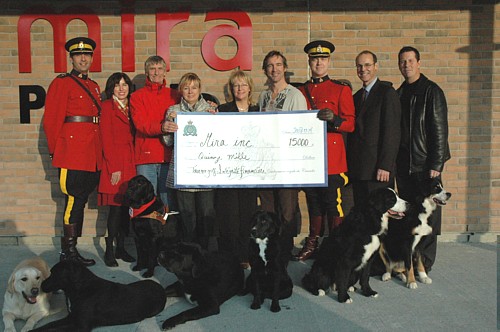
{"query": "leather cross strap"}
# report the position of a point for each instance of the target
(308, 95)
(79, 118)
(88, 92)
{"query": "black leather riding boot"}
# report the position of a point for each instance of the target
(68, 246)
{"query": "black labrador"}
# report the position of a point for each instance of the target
(207, 279)
(93, 301)
(268, 277)
(153, 225)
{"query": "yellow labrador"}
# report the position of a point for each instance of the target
(24, 298)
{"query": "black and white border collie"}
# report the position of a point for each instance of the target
(401, 244)
(346, 255)
(269, 276)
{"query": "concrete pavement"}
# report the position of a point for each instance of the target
(462, 297)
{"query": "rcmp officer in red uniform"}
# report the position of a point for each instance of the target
(334, 100)
(71, 125)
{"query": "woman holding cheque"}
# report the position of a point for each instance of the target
(235, 207)
(196, 206)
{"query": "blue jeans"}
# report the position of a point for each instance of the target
(157, 175)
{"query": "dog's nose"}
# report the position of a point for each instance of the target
(35, 291)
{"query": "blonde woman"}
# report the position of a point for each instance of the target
(196, 206)
(235, 207)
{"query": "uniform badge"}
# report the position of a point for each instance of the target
(81, 45)
(190, 129)
(319, 49)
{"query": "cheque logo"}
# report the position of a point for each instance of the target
(190, 129)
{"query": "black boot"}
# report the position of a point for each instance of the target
(68, 246)
(121, 253)
(109, 256)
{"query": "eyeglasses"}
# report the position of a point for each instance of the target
(237, 86)
(365, 65)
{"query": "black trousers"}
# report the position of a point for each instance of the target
(76, 186)
(327, 200)
(361, 189)
(234, 209)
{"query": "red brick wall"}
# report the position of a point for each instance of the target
(457, 44)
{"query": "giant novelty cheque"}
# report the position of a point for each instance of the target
(237, 150)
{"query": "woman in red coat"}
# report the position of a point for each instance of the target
(118, 166)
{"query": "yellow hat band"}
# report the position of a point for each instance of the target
(319, 49)
(81, 46)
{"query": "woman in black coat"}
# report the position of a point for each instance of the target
(235, 206)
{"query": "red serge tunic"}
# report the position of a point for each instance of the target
(75, 145)
(337, 97)
(118, 152)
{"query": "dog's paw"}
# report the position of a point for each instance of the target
(386, 276)
(345, 299)
(412, 285)
(321, 292)
(148, 274)
(351, 289)
(255, 305)
(370, 293)
(275, 307)
(424, 278)
(27, 327)
(167, 325)
(402, 277)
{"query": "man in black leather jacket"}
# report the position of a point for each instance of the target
(424, 138)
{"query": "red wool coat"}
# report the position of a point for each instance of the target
(118, 148)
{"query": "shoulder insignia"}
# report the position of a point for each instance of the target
(63, 75)
(343, 82)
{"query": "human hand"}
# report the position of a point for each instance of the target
(434, 174)
(115, 177)
(325, 114)
(383, 175)
(169, 126)
(213, 107)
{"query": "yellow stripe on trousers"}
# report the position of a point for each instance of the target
(339, 195)
(71, 199)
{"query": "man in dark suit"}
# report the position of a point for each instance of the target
(373, 146)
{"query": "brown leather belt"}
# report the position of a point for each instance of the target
(80, 118)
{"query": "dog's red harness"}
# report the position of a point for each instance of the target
(161, 217)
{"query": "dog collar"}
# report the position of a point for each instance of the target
(135, 212)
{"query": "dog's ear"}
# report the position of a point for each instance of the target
(10, 284)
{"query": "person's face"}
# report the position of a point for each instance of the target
(409, 66)
(121, 90)
(275, 69)
(82, 62)
(156, 73)
(191, 92)
(319, 66)
(366, 68)
(241, 89)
